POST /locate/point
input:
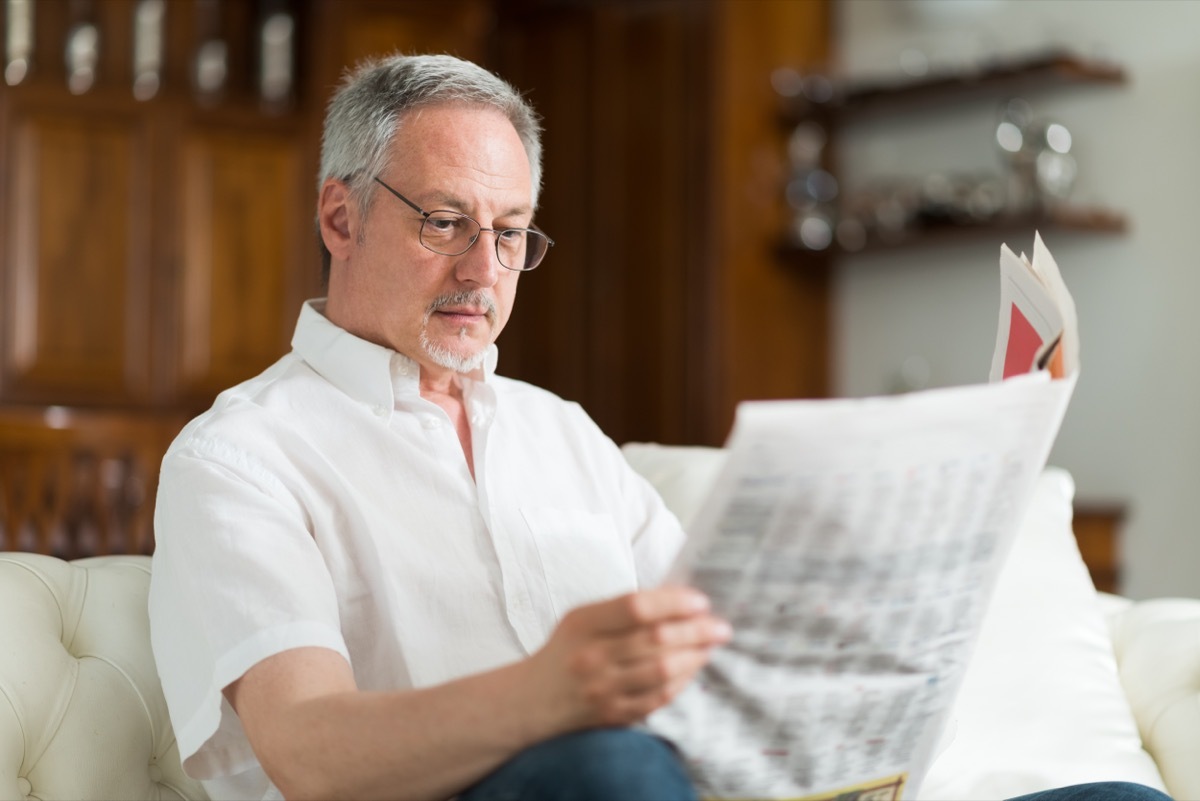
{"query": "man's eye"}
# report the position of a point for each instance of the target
(442, 225)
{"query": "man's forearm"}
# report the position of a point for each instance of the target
(611, 663)
(417, 744)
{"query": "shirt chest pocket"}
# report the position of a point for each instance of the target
(583, 557)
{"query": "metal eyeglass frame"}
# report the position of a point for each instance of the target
(498, 231)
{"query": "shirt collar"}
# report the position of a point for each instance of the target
(369, 373)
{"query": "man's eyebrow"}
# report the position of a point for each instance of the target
(452, 202)
(518, 211)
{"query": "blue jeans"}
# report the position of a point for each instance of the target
(590, 765)
(1098, 791)
(631, 765)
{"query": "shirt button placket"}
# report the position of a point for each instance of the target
(518, 604)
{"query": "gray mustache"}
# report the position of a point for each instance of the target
(464, 298)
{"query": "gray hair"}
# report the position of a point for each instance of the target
(366, 110)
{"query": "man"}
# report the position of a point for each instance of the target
(384, 571)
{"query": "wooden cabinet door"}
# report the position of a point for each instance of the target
(371, 28)
(240, 198)
(76, 289)
(612, 318)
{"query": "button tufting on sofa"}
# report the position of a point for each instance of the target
(81, 708)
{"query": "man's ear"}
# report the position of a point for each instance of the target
(337, 214)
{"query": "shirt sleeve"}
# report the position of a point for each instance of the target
(236, 578)
(655, 533)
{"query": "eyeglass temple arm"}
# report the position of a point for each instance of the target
(402, 198)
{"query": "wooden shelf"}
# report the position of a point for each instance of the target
(1074, 219)
(1040, 71)
(1077, 219)
(1002, 76)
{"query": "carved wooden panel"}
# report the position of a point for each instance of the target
(78, 254)
(240, 239)
(78, 483)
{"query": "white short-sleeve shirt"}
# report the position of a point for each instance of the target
(325, 503)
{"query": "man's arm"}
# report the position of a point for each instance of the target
(607, 664)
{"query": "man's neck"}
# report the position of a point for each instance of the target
(444, 388)
(440, 383)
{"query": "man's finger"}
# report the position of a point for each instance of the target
(700, 631)
(667, 669)
(639, 609)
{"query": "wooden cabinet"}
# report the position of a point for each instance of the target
(1097, 531)
(156, 250)
(155, 246)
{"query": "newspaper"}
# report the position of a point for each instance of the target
(854, 544)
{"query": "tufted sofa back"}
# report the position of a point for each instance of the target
(82, 714)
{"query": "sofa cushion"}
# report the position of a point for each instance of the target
(1041, 704)
(682, 474)
(81, 710)
(1157, 643)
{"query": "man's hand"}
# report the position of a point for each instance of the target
(613, 663)
(607, 664)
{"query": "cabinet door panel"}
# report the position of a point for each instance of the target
(78, 261)
(613, 320)
(373, 29)
(240, 242)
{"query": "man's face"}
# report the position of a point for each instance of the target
(441, 311)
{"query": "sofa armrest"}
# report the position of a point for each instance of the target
(82, 713)
(1157, 647)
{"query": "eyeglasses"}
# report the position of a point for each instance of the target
(452, 234)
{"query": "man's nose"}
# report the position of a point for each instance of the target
(481, 263)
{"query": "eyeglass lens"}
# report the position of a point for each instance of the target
(453, 234)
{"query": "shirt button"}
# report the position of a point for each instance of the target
(380, 411)
(430, 423)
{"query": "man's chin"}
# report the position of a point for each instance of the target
(459, 359)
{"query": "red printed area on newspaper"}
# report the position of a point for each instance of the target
(1038, 327)
(1024, 344)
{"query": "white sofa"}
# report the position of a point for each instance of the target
(1063, 688)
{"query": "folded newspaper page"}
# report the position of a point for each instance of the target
(1036, 314)
(853, 544)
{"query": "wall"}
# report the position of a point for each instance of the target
(1132, 433)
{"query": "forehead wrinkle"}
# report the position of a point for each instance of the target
(468, 173)
(445, 200)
